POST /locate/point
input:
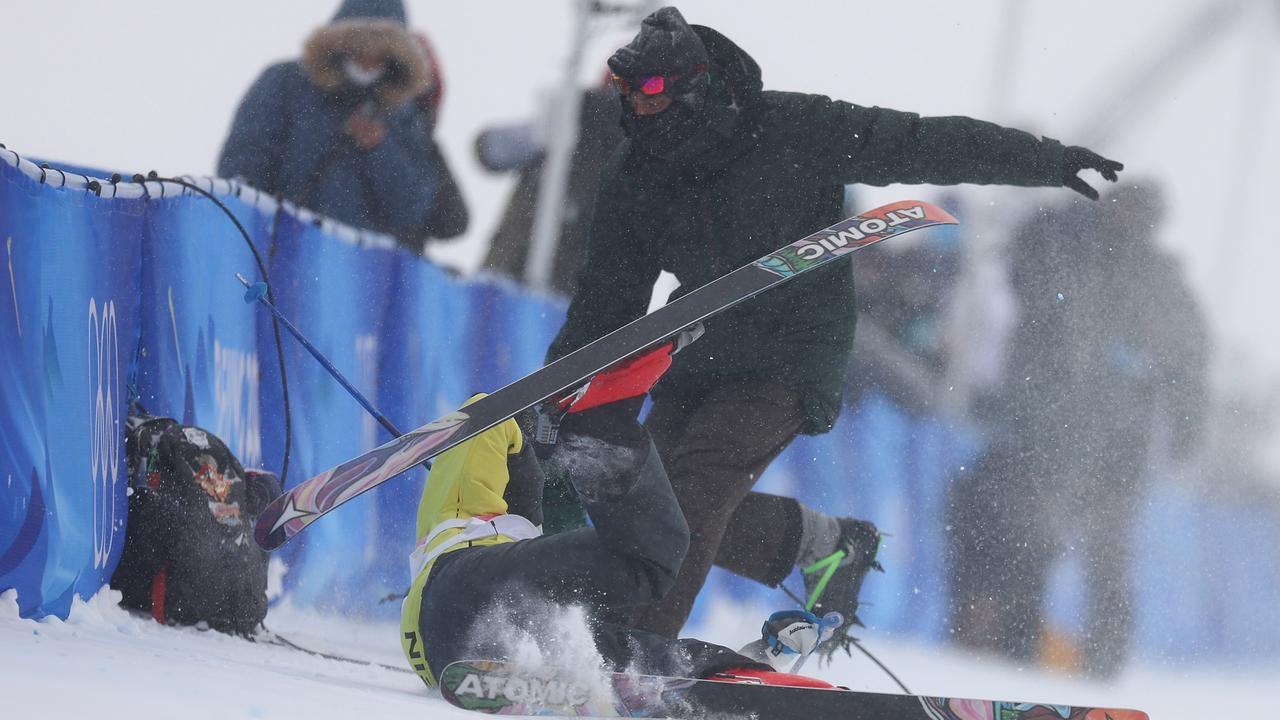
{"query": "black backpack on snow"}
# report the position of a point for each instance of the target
(189, 556)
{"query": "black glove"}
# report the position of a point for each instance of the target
(1076, 158)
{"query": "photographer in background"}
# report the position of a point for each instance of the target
(343, 130)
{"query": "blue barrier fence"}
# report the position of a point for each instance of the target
(135, 294)
(131, 289)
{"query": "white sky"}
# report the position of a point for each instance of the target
(145, 84)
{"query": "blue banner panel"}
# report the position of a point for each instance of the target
(338, 295)
(423, 371)
(67, 328)
(511, 330)
(197, 357)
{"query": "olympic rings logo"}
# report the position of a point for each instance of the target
(105, 437)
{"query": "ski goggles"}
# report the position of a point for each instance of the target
(652, 84)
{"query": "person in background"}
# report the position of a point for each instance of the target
(905, 296)
(521, 148)
(715, 172)
(346, 130)
(1108, 354)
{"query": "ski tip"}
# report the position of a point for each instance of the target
(932, 212)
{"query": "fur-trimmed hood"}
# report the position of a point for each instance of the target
(408, 74)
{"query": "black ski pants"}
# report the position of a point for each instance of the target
(491, 602)
(715, 449)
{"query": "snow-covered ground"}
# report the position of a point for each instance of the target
(103, 663)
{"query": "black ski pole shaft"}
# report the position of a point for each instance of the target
(258, 291)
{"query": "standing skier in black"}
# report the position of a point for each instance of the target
(714, 171)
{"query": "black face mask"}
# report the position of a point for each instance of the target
(663, 132)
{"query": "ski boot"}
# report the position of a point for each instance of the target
(833, 583)
(789, 637)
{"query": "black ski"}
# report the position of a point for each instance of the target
(306, 502)
(500, 689)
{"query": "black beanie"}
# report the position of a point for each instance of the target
(392, 10)
(665, 44)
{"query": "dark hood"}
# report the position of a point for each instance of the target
(665, 44)
(700, 131)
(732, 107)
(732, 67)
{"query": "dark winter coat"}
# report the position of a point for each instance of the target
(1109, 341)
(287, 138)
(770, 168)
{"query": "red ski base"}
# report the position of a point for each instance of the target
(770, 677)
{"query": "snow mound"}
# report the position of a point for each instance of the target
(105, 663)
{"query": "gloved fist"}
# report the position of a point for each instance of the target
(614, 395)
(1076, 158)
(798, 632)
(607, 405)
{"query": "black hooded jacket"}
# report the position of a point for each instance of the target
(765, 169)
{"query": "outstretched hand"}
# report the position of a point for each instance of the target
(1076, 158)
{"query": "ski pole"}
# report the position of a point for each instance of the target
(258, 291)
